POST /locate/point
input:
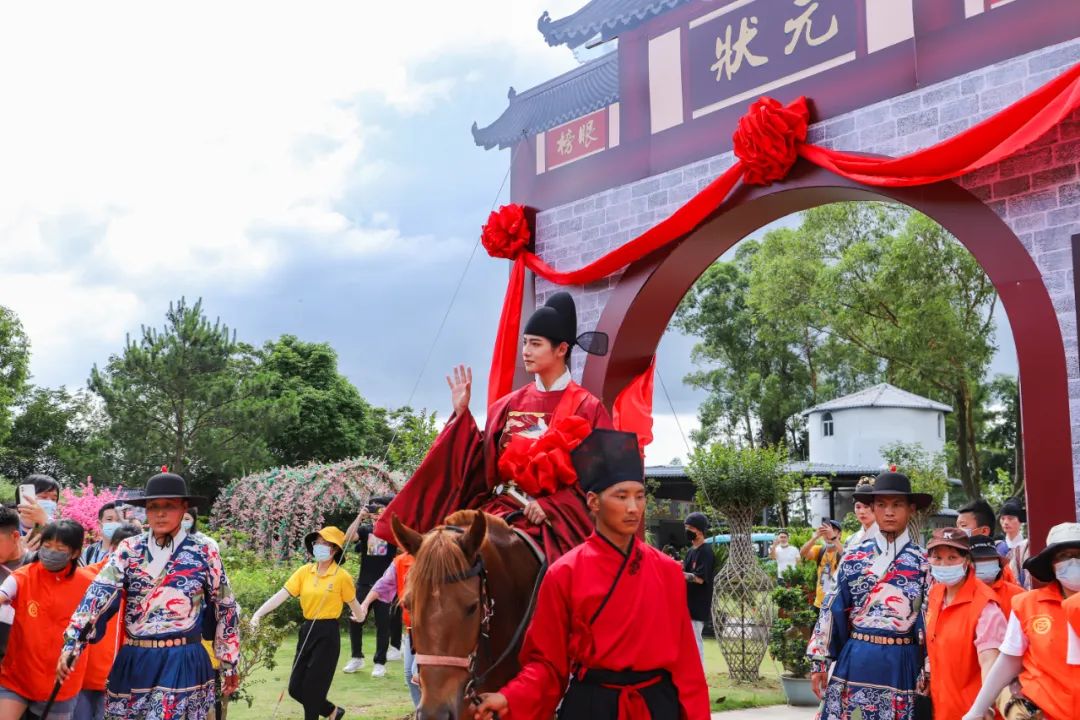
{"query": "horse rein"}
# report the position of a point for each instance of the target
(487, 607)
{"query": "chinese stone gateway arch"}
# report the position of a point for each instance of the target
(647, 126)
(644, 300)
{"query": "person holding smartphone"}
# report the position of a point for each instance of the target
(37, 501)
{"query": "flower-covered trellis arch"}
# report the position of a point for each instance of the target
(276, 508)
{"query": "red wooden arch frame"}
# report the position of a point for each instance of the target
(646, 296)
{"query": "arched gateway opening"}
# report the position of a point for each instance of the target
(644, 299)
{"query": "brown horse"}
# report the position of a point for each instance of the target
(470, 594)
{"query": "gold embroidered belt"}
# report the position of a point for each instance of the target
(879, 640)
(157, 644)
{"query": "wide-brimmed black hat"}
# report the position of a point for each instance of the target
(1065, 535)
(1013, 507)
(606, 458)
(891, 482)
(166, 486)
(557, 321)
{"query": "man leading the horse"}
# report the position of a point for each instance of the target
(519, 468)
(587, 628)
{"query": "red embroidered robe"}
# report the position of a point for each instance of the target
(460, 471)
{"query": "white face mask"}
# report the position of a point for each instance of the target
(1068, 574)
(987, 570)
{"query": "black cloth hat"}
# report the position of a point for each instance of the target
(891, 482)
(697, 521)
(165, 486)
(834, 523)
(606, 458)
(557, 321)
(1013, 507)
(983, 547)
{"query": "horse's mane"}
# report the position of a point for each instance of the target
(440, 557)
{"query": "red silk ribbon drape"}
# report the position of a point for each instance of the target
(768, 140)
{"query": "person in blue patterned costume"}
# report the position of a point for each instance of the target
(173, 590)
(871, 624)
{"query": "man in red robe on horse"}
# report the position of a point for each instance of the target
(519, 468)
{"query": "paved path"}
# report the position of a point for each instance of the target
(773, 712)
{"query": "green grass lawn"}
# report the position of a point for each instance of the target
(388, 699)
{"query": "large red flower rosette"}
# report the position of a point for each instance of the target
(507, 232)
(768, 137)
(542, 466)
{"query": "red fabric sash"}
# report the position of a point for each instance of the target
(632, 705)
(766, 143)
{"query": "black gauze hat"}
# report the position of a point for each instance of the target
(557, 321)
(606, 458)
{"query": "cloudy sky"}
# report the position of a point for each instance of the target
(305, 168)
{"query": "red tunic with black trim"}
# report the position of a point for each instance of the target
(461, 470)
(643, 626)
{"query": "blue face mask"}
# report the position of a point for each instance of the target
(49, 506)
(948, 574)
(186, 525)
(988, 570)
(1068, 574)
(107, 529)
(322, 553)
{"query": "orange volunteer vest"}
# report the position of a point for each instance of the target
(1047, 680)
(43, 607)
(955, 675)
(101, 655)
(402, 563)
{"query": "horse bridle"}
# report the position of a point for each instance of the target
(487, 608)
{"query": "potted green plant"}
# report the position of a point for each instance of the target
(738, 483)
(790, 631)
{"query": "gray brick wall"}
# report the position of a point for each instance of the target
(1037, 192)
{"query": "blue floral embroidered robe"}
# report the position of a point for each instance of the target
(190, 598)
(871, 625)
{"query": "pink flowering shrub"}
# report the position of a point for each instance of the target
(82, 506)
(275, 509)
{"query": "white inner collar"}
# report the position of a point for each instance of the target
(159, 556)
(887, 551)
(561, 384)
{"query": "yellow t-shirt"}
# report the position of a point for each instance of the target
(322, 597)
(826, 570)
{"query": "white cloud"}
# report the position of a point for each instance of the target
(213, 141)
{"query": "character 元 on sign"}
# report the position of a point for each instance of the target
(566, 142)
(730, 55)
(802, 26)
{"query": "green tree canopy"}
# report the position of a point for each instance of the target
(859, 292)
(62, 435)
(324, 416)
(189, 396)
(14, 366)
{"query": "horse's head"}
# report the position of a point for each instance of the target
(448, 600)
